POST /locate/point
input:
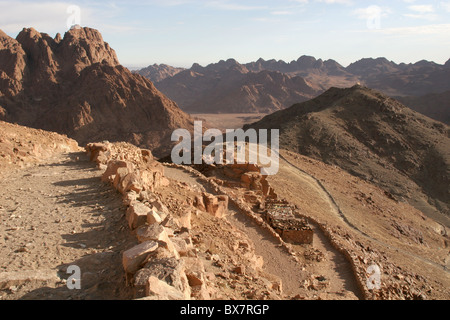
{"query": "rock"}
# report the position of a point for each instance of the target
(239, 269)
(137, 214)
(153, 217)
(157, 232)
(168, 245)
(129, 198)
(160, 207)
(195, 273)
(147, 155)
(185, 219)
(198, 203)
(153, 232)
(217, 206)
(170, 270)
(171, 222)
(133, 258)
(130, 182)
(96, 152)
(120, 175)
(183, 245)
(113, 166)
(162, 290)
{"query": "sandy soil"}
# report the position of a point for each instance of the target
(56, 215)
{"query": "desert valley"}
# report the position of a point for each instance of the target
(93, 207)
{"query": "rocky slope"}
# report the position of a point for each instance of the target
(76, 86)
(374, 137)
(22, 147)
(229, 87)
(433, 105)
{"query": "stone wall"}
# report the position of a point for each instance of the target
(161, 266)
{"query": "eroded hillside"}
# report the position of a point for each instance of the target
(375, 138)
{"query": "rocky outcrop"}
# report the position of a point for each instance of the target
(75, 85)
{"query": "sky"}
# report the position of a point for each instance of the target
(183, 32)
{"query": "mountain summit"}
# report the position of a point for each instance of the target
(75, 85)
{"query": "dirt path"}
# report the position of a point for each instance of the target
(334, 267)
(334, 208)
(56, 215)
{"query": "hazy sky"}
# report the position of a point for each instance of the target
(181, 32)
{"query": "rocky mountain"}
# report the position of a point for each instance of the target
(421, 78)
(229, 87)
(75, 85)
(302, 66)
(320, 74)
(373, 137)
(402, 79)
(158, 72)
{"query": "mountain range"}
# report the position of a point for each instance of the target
(229, 87)
(209, 89)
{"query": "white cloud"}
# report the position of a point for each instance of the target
(428, 8)
(422, 12)
(421, 16)
(432, 29)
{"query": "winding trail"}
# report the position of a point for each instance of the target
(277, 261)
(338, 212)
